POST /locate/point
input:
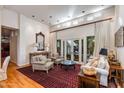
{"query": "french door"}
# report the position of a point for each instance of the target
(72, 49)
(76, 49)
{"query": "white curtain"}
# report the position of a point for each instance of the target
(53, 38)
(102, 36)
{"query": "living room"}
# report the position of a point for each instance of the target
(58, 44)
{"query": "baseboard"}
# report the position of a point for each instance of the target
(23, 65)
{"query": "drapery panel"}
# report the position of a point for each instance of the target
(103, 37)
(53, 38)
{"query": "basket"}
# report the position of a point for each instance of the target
(89, 71)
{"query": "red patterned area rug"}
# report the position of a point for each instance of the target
(56, 77)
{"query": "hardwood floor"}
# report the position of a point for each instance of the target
(17, 79)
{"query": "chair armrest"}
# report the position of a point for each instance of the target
(48, 60)
(40, 63)
(102, 71)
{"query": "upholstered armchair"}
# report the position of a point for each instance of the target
(3, 70)
(102, 70)
(101, 65)
(41, 62)
(57, 59)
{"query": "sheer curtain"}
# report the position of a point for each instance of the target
(102, 36)
(53, 38)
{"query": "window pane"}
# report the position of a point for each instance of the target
(76, 50)
(90, 45)
(59, 47)
(82, 49)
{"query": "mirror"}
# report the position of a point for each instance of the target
(40, 38)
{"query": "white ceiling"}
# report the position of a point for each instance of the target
(59, 13)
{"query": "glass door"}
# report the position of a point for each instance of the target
(68, 49)
(59, 47)
(72, 50)
(75, 50)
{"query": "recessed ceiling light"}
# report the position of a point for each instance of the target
(83, 11)
(42, 20)
(33, 16)
(75, 22)
(50, 16)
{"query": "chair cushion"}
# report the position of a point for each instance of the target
(48, 64)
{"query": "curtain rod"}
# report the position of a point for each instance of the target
(82, 25)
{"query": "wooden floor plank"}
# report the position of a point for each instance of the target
(17, 79)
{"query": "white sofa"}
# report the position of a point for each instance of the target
(103, 71)
(41, 63)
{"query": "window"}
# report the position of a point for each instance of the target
(59, 47)
(90, 45)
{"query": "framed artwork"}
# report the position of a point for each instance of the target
(119, 37)
(40, 39)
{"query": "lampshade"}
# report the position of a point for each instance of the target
(103, 51)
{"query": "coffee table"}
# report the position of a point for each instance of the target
(67, 64)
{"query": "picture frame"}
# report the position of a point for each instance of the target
(40, 40)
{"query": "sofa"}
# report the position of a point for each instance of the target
(41, 62)
(102, 68)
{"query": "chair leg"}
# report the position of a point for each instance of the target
(33, 70)
(47, 71)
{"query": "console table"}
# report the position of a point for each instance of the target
(119, 70)
(46, 53)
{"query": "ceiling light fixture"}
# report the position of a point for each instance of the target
(75, 22)
(50, 16)
(97, 15)
(42, 20)
(89, 18)
(83, 11)
(68, 24)
(58, 26)
(33, 16)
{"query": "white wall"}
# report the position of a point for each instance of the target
(78, 33)
(10, 18)
(28, 29)
(120, 22)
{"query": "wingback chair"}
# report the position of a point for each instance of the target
(102, 67)
(3, 70)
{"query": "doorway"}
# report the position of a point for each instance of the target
(9, 43)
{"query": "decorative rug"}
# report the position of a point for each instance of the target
(56, 77)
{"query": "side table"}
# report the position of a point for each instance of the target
(119, 70)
